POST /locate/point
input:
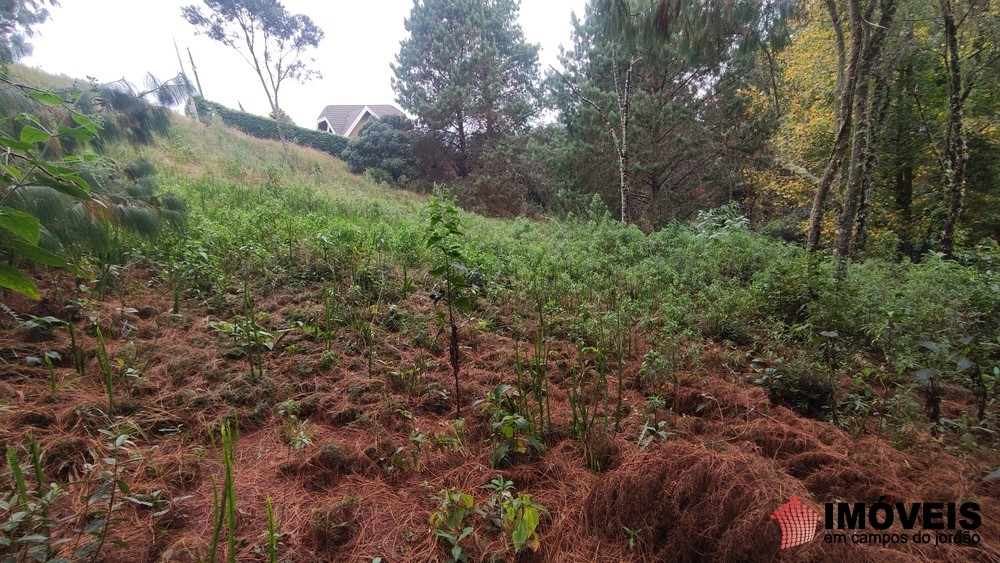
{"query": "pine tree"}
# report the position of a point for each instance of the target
(17, 17)
(467, 73)
(663, 114)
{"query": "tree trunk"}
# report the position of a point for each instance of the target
(619, 132)
(272, 100)
(625, 187)
(902, 193)
(624, 91)
(463, 158)
(624, 94)
(876, 137)
(282, 136)
(859, 155)
(838, 31)
(957, 153)
(843, 118)
(865, 48)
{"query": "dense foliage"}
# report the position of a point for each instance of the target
(384, 144)
(467, 73)
(667, 119)
(16, 20)
(919, 141)
(669, 108)
(265, 128)
(57, 198)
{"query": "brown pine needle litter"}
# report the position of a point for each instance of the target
(364, 486)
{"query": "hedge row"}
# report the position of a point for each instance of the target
(266, 128)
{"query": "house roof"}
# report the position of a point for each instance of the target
(342, 118)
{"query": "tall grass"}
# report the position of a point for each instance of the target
(224, 501)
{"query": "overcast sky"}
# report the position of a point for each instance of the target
(113, 39)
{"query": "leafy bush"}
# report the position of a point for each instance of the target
(53, 198)
(384, 144)
(795, 384)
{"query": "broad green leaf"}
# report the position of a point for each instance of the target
(64, 187)
(38, 254)
(86, 122)
(927, 373)
(964, 364)
(46, 98)
(522, 531)
(31, 134)
(14, 280)
(10, 173)
(57, 170)
(932, 346)
(993, 474)
(20, 223)
(10, 142)
(76, 133)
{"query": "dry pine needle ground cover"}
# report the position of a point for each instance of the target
(363, 487)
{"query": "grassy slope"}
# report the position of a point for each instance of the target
(383, 443)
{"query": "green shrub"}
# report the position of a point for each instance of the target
(384, 146)
(266, 128)
(796, 384)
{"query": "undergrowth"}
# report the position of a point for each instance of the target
(291, 290)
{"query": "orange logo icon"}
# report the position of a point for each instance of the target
(797, 521)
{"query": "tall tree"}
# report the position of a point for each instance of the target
(17, 17)
(467, 73)
(615, 118)
(665, 83)
(964, 70)
(867, 37)
(268, 37)
(872, 39)
(903, 119)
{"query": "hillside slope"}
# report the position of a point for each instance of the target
(610, 375)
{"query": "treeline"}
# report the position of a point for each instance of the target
(862, 126)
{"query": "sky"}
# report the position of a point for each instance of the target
(114, 39)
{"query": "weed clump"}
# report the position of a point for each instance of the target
(332, 525)
(328, 463)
